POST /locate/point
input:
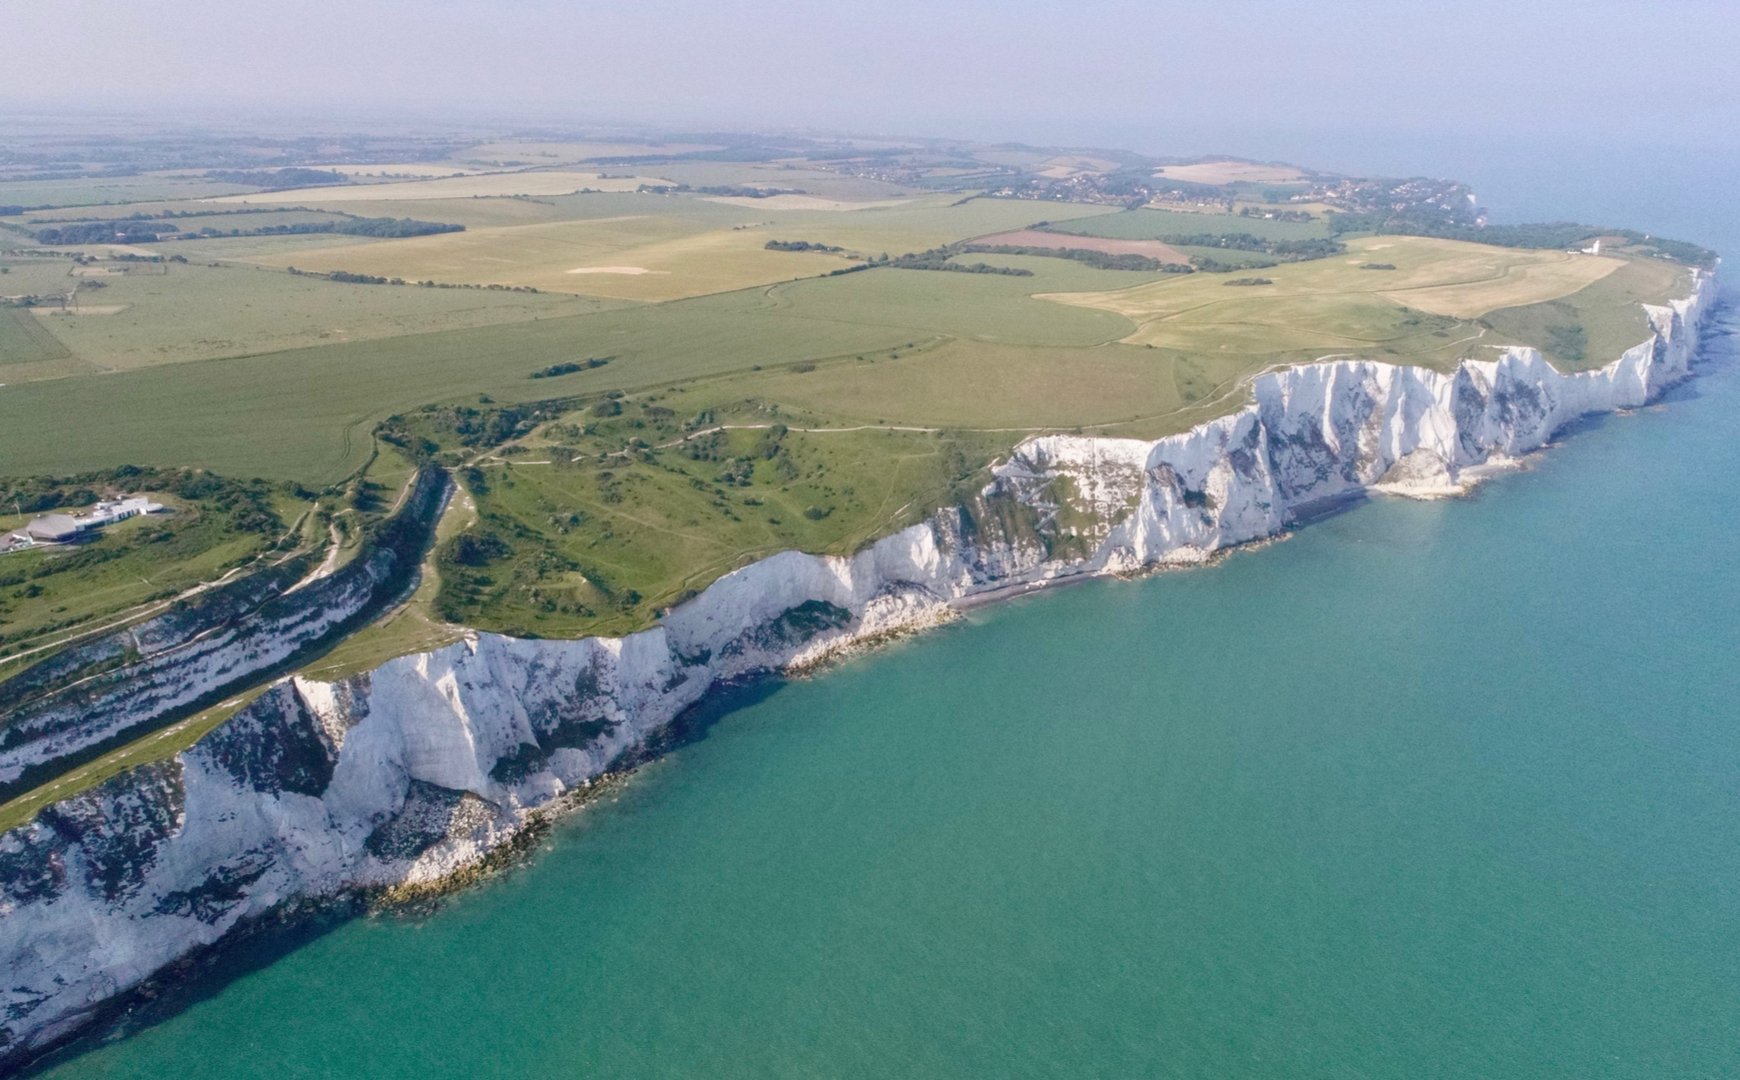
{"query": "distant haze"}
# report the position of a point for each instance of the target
(1148, 75)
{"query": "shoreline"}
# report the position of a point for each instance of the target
(644, 687)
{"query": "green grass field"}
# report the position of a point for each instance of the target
(1148, 224)
(657, 248)
(90, 191)
(24, 341)
(1427, 309)
(305, 414)
(48, 593)
(176, 313)
(599, 546)
(1609, 313)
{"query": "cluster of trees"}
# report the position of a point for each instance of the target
(570, 367)
(104, 232)
(1287, 250)
(799, 245)
(145, 230)
(277, 178)
(1297, 216)
(349, 278)
(423, 433)
(939, 259)
(1568, 340)
(384, 228)
(1102, 260)
(247, 502)
(735, 192)
(1208, 265)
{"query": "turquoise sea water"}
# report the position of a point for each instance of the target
(1435, 789)
(1427, 790)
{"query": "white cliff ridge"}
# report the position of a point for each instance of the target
(424, 765)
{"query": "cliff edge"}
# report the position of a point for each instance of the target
(423, 766)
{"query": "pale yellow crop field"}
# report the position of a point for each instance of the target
(1559, 275)
(473, 186)
(401, 169)
(805, 202)
(675, 248)
(634, 257)
(1337, 304)
(1064, 166)
(555, 153)
(1230, 172)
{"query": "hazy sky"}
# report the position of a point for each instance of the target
(1149, 75)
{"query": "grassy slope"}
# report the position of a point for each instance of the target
(147, 748)
(1334, 306)
(133, 563)
(1609, 311)
(600, 546)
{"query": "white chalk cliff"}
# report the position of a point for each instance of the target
(430, 761)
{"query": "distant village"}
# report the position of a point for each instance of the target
(56, 529)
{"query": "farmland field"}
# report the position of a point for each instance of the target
(1146, 224)
(1152, 249)
(540, 152)
(680, 247)
(675, 257)
(95, 190)
(1231, 172)
(1609, 313)
(1338, 305)
(305, 414)
(25, 342)
(178, 313)
(475, 185)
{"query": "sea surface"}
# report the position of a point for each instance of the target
(1426, 790)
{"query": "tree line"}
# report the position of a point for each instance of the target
(149, 230)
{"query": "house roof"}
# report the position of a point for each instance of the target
(53, 527)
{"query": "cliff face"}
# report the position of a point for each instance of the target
(184, 658)
(422, 766)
